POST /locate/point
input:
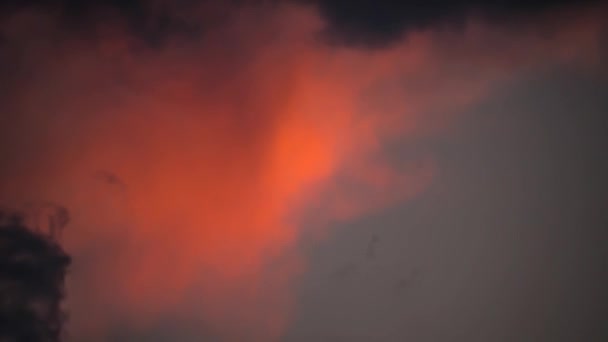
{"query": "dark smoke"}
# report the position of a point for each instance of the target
(378, 23)
(33, 268)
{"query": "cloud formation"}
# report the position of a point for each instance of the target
(193, 163)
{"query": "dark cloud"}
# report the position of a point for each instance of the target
(360, 22)
(377, 23)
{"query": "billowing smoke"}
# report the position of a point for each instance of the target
(33, 268)
(193, 161)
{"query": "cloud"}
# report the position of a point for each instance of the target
(370, 23)
(231, 142)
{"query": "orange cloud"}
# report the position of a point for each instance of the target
(190, 169)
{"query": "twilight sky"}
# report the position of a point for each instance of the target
(316, 170)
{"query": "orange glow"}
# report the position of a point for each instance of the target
(226, 145)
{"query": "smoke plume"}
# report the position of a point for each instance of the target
(194, 159)
(33, 269)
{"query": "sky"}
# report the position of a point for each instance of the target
(315, 170)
